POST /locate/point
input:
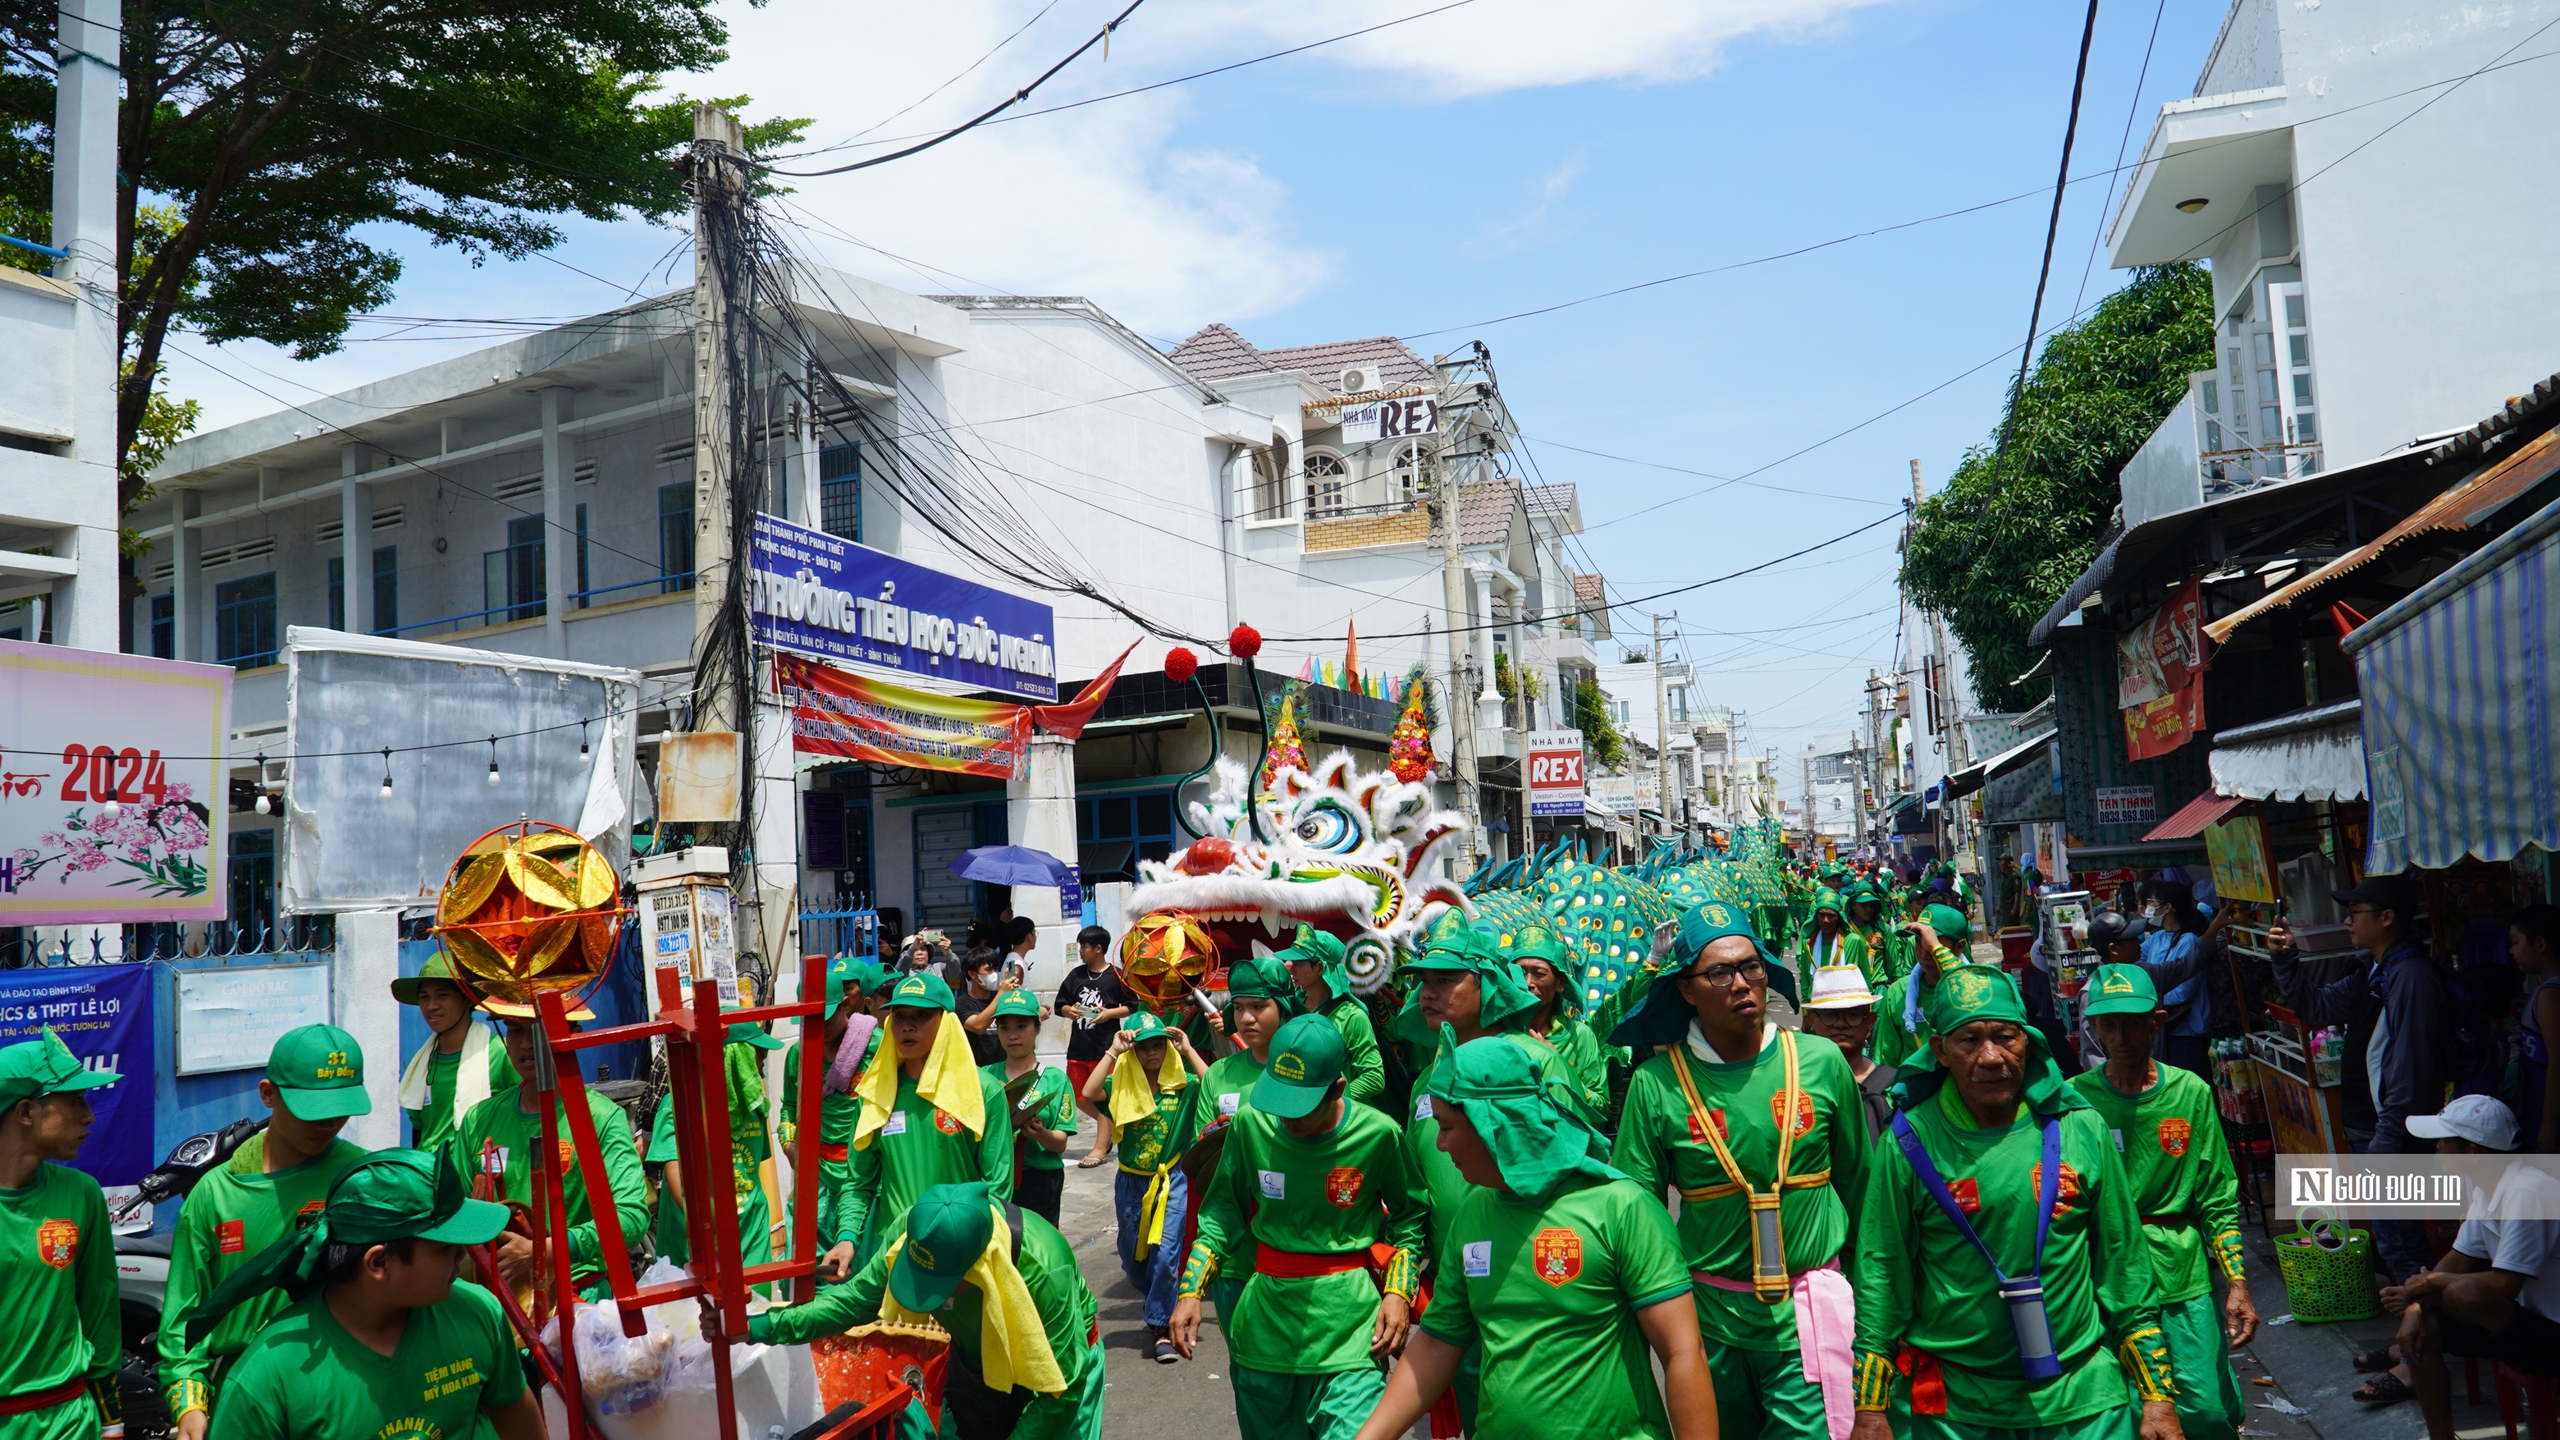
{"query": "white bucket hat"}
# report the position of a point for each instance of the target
(1839, 987)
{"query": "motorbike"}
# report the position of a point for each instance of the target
(142, 1269)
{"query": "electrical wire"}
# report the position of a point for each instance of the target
(2132, 109)
(2053, 228)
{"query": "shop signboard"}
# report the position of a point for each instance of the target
(826, 597)
(1387, 419)
(103, 1013)
(2127, 805)
(1555, 772)
(111, 787)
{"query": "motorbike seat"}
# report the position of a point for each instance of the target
(144, 1245)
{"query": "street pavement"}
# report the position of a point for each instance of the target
(1190, 1400)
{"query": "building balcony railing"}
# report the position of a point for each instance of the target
(533, 609)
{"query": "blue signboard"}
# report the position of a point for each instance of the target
(103, 1012)
(829, 598)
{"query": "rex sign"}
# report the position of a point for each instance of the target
(1555, 772)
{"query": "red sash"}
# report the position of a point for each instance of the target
(834, 1154)
(62, 1394)
(1298, 1265)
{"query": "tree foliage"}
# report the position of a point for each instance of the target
(286, 134)
(1599, 732)
(1996, 547)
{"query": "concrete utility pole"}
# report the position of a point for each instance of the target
(1952, 735)
(1661, 731)
(717, 140)
(85, 598)
(1453, 587)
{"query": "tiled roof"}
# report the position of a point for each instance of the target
(1217, 352)
(1484, 512)
(1550, 499)
(1590, 588)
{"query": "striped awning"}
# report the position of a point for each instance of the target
(2460, 680)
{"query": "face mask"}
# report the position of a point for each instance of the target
(2151, 912)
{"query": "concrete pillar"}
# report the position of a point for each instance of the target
(84, 223)
(355, 536)
(1040, 812)
(777, 826)
(803, 501)
(560, 519)
(1488, 699)
(186, 547)
(360, 976)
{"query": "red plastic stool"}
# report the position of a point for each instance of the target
(2515, 1387)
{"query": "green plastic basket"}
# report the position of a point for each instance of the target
(2328, 1271)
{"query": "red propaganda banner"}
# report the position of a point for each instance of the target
(2160, 726)
(836, 712)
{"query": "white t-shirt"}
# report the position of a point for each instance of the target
(2518, 1231)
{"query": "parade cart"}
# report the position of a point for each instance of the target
(531, 913)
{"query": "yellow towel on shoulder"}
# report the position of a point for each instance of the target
(949, 1084)
(1013, 1345)
(1131, 1098)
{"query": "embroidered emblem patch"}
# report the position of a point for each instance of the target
(1803, 1122)
(1342, 1186)
(945, 1121)
(2064, 1194)
(2174, 1135)
(57, 1241)
(1557, 1254)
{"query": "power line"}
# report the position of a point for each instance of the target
(2132, 109)
(2053, 227)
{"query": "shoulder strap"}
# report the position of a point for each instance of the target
(1013, 1223)
(2048, 1188)
(1715, 1137)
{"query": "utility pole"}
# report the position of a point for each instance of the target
(1453, 588)
(1661, 731)
(1952, 735)
(717, 141)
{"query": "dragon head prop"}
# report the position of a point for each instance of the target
(1355, 854)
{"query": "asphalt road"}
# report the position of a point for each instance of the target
(1190, 1400)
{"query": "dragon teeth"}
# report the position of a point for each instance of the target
(1261, 951)
(1271, 920)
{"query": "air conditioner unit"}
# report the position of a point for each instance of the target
(1358, 379)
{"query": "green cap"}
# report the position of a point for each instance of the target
(1143, 1026)
(748, 1032)
(849, 975)
(947, 1230)
(437, 967)
(1966, 993)
(1828, 899)
(2122, 990)
(320, 1071)
(1535, 942)
(1322, 950)
(1949, 922)
(922, 990)
(1018, 1002)
(1306, 1060)
(45, 1066)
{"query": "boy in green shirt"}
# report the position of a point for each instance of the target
(849, 983)
(1987, 1132)
(1044, 1105)
(1146, 1088)
(458, 1067)
(314, 1083)
(1884, 954)
(60, 1339)
(378, 1343)
(929, 1117)
(1314, 959)
(494, 1144)
(1942, 939)
(1260, 999)
(1319, 1190)
(742, 1049)
(1024, 1342)
(1762, 1132)
(2166, 1128)
(1555, 1268)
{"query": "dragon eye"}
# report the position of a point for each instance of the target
(1327, 826)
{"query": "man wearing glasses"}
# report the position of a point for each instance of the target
(2399, 1018)
(1762, 1131)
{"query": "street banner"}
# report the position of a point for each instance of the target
(1555, 772)
(2160, 726)
(826, 597)
(103, 1012)
(836, 712)
(83, 730)
(1382, 418)
(2164, 654)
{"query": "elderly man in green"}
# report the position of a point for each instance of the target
(2001, 1269)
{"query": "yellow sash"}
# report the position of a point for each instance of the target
(1769, 1279)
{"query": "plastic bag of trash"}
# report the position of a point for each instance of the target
(629, 1375)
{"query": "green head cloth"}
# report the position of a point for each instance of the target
(1536, 1143)
(1473, 950)
(1661, 1017)
(921, 990)
(1963, 995)
(1315, 947)
(45, 1066)
(1263, 977)
(388, 1195)
(1017, 1002)
(1829, 899)
(947, 1230)
(1537, 942)
(2122, 990)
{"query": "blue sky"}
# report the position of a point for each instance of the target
(1425, 179)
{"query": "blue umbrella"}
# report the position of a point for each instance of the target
(1011, 865)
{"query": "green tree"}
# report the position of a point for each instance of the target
(1996, 547)
(1599, 733)
(286, 135)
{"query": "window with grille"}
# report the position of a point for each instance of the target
(244, 621)
(1328, 481)
(675, 537)
(514, 579)
(840, 491)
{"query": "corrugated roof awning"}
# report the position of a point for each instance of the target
(2193, 816)
(2313, 754)
(2470, 501)
(2081, 589)
(1982, 772)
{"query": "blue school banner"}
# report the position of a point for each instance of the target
(103, 1012)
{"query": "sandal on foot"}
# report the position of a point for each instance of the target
(2385, 1389)
(2376, 1360)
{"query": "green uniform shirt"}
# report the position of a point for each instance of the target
(1884, 956)
(1160, 1138)
(1922, 1284)
(1048, 1266)
(1227, 1090)
(1586, 1063)
(1334, 1195)
(306, 1378)
(502, 1122)
(1050, 1102)
(230, 1217)
(1364, 1072)
(62, 1322)
(429, 1127)
(1658, 1146)
(747, 1152)
(836, 1117)
(917, 1148)
(2183, 1185)
(1551, 1292)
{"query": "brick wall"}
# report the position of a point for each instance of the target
(1403, 527)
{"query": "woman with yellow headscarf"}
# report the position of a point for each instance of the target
(928, 1116)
